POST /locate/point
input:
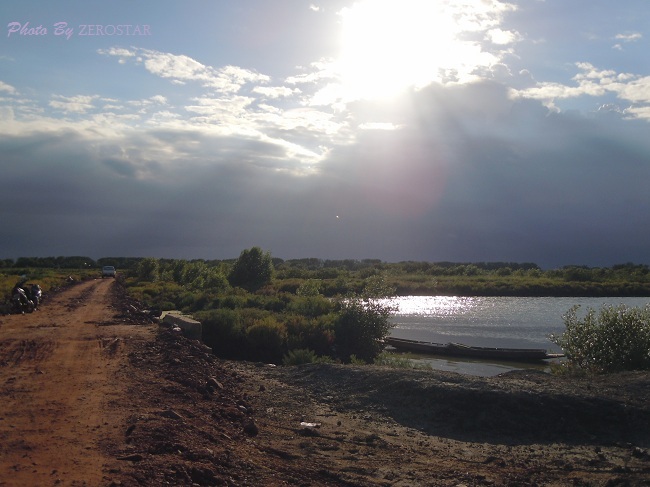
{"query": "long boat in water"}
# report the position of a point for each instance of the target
(460, 350)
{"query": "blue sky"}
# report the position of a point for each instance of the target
(465, 130)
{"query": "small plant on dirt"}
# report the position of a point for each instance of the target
(354, 360)
(402, 361)
(614, 340)
(299, 356)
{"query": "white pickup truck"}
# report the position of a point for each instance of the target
(108, 271)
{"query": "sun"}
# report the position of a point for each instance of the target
(390, 45)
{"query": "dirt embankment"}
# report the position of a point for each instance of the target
(93, 397)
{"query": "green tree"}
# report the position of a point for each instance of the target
(148, 269)
(252, 270)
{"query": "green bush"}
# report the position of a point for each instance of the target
(299, 356)
(232, 301)
(314, 334)
(354, 360)
(310, 287)
(267, 339)
(223, 331)
(311, 306)
(363, 322)
(360, 329)
(614, 340)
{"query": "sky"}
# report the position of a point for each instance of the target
(425, 130)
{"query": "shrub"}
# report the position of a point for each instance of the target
(223, 331)
(299, 356)
(313, 334)
(311, 287)
(400, 361)
(311, 306)
(614, 340)
(233, 301)
(266, 339)
(363, 322)
(361, 328)
(354, 360)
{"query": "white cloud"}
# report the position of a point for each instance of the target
(221, 109)
(314, 73)
(180, 69)
(116, 51)
(502, 37)
(629, 37)
(274, 91)
(378, 126)
(74, 104)
(595, 82)
(636, 91)
(163, 116)
(242, 75)
(159, 99)
(237, 111)
(8, 88)
(642, 112)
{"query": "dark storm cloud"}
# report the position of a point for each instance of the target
(468, 175)
(481, 177)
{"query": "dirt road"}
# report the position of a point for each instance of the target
(60, 400)
(91, 398)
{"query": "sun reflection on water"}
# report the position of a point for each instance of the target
(432, 305)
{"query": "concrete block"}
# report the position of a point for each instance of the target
(191, 328)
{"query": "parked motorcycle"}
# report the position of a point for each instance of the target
(20, 303)
(36, 294)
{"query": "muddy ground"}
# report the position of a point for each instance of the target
(93, 394)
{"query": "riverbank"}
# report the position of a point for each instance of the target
(202, 421)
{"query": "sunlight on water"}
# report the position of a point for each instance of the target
(432, 305)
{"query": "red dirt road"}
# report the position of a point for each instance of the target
(58, 394)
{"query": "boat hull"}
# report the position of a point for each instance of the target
(460, 350)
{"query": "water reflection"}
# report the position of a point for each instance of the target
(475, 367)
(432, 305)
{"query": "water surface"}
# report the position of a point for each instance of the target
(513, 322)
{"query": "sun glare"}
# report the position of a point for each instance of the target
(390, 45)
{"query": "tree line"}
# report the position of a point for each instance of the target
(317, 268)
(258, 307)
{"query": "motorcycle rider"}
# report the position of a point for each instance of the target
(20, 300)
(36, 294)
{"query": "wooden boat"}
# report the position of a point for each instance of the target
(460, 350)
